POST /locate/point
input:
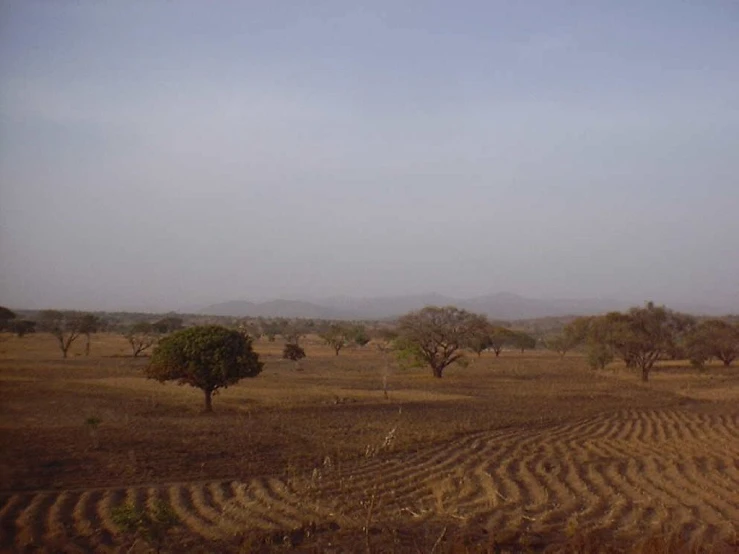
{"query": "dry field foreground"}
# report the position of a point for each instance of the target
(525, 451)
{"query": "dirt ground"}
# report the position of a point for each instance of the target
(522, 452)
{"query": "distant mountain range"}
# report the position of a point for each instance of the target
(501, 306)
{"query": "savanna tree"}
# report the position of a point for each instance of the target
(522, 341)
(643, 335)
(141, 336)
(89, 324)
(336, 336)
(435, 335)
(168, 324)
(713, 338)
(358, 335)
(501, 337)
(209, 357)
(6, 318)
(22, 327)
(66, 327)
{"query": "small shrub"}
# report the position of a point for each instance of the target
(152, 525)
(293, 352)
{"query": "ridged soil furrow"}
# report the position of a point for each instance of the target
(107, 502)
(221, 492)
(318, 509)
(60, 522)
(506, 473)
(491, 496)
(586, 428)
(455, 466)
(661, 421)
(12, 507)
(474, 496)
(202, 505)
(592, 505)
(155, 497)
(368, 471)
(592, 450)
(728, 426)
(292, 507)
(31, 521)
(627, 430)
(560, 499)
(182, 505)
(644, 430)
(209, 509)
(634, 495)
(442, 463)
(260, 515)
(713, 470)
(662, 497)
(84, 513)
(605, 429)
(614, 504)
(537, 493)
(235, 512)
(712, 508)
(717, 485)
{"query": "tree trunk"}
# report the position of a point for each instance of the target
(645, 374)
(64, 351)
(497, 353)
(208, 400)
(437, 371)
(727, 362)
(87, 346)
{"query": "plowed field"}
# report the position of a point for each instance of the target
(530, 450)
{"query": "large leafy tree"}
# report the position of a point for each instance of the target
(714, 338)
(208, 357)
(522, 341)
(435, 335)
(645, 334)
(573, 335)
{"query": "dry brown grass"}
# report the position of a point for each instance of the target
(522, 451)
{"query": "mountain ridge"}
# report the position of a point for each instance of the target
(501, 306)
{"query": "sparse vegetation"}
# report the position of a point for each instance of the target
(151, 525)
(455, 457)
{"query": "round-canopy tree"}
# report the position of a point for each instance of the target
(208, 357)
(435, 335)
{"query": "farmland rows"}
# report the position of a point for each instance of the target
(627, 473)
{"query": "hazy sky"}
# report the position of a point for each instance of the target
(161, 154)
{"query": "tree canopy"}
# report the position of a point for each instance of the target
(435, 335)
(209, 357)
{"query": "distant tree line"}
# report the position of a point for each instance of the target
(642, 336)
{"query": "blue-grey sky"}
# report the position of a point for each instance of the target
(159, 154)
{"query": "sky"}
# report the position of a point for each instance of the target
(156, 155)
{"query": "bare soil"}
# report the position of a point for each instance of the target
(525, 451)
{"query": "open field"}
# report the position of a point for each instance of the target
(526, 450)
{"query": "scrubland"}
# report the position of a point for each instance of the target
(524, 452)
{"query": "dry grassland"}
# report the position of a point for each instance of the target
(520, 453)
